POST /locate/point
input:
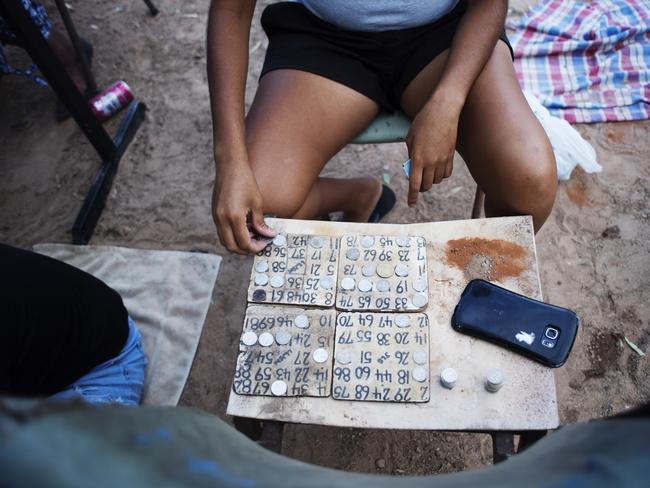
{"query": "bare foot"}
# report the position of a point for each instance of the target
(367, 192)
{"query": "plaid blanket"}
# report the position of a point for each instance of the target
(586, 61)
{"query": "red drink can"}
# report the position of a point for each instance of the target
(111, 100)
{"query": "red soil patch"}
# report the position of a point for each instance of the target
(576, 189)
(490, 259)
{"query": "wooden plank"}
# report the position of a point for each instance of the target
(381, 357)
(501, 250)
(285, 351)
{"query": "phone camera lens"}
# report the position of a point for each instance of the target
(548, 343)
(551, 333)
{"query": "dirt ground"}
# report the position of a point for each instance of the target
(593, 252)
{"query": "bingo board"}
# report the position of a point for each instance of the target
(285, 351)
(296, 269)
(382, 273)
(381, 357)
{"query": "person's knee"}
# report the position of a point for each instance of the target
(280, 200)
(534, 182)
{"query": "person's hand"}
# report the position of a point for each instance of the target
(237, 210)
(431, 143)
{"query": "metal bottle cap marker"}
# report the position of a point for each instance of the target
(278, 388)
(266, 339)
(249, 338)
(419, 374)
(448, 377)
(301, 321)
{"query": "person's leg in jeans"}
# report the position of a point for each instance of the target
(64, 333)
(119, 380)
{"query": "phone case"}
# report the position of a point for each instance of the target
(535, 329)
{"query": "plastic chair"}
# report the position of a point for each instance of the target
(393, 127)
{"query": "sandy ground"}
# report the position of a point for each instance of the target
(593, 252)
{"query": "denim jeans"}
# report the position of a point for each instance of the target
(119, 380)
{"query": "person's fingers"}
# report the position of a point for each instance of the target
(449, 168)
(440, 174)
(415, 181)
(259, 225)
(228, 239)
(428, 177)
(243, 237)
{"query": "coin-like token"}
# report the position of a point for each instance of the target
(420, 356)
(261, 279)
(249, 338)
(364, 285)
(320, 355)
(419, 374)
(301, 321)
(283, 337)
(402, 321)
(278, 388)
(419, 300)
(403, 241)
(277, 281)
(280, 240)
(420, 284)
(266, 339)
(316, 242)
(367, 241)
(401, 270)
(343, 357)
(385, 270)
(326, 282)
(383, 286)
(368, 270)
(353, 254)
(347, 284)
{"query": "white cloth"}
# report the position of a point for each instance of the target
(167, 293)
(569, 148)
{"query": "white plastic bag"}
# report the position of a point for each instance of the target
(569, 147)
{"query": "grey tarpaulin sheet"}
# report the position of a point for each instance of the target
(154, 446)
(166, 292)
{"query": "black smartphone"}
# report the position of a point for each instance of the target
(541, 331)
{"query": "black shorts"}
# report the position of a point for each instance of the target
(379, 65)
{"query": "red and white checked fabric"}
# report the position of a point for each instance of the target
(586, 61)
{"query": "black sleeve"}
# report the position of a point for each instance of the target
(56, 323)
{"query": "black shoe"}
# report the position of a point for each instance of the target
(384, 205)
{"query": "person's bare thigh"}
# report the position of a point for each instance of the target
(297, 122)
(499, 137)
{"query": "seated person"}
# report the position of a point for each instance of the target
(65, 334)
(330, 66)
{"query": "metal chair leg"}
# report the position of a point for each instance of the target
(272, 433)
(267, 433)
(152, 8)
(528, 438)
(479, 200)
(251, 428)
(503, 446)
(76, 43)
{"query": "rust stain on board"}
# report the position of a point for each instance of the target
(490, 259)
